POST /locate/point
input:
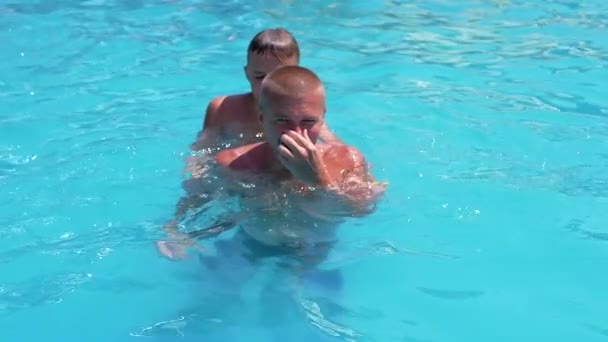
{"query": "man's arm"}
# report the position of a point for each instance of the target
(196, 197)
(337, 173)
(345, 186)
(199, 192)
(347, 180)
(177, 243)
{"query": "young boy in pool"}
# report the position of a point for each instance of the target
(235, 117)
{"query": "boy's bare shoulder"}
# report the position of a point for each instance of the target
(227, 108)
(215, 104)
(224, 108)
(228, 102)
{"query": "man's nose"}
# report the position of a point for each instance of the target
(298, 130)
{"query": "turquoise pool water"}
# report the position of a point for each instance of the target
(489, 119)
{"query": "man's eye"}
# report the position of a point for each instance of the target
(260, 77)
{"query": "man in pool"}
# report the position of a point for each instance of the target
(323, 178)
(235, 117)
(303, 187)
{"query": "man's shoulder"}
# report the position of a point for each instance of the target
(237, 157)
(340, 158)
(226, 157)
(341, 151)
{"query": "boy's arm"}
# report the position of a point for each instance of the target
(206, 138)
(209, 134)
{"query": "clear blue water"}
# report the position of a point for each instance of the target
(489, 119)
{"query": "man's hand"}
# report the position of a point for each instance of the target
(176, 246)
(300, 156)
(176, 249)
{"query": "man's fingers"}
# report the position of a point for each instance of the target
(290, 140)
(307, 136)
(285, 152)
(302, 140)
(311, 145)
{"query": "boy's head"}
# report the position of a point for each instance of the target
(268, 50)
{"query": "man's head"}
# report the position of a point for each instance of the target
(268, 50)
(292, 98)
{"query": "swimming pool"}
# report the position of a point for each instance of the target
(489, 119)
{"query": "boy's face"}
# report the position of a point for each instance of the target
(258, 66)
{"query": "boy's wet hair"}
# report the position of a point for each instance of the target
(276, 41)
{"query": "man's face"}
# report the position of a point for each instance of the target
(258, 66)
(282, 113)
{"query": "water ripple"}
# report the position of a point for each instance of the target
(597, 329)
(451, 294)
(578, 226)
(95, 244)
(316, 317)
(43, 290)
